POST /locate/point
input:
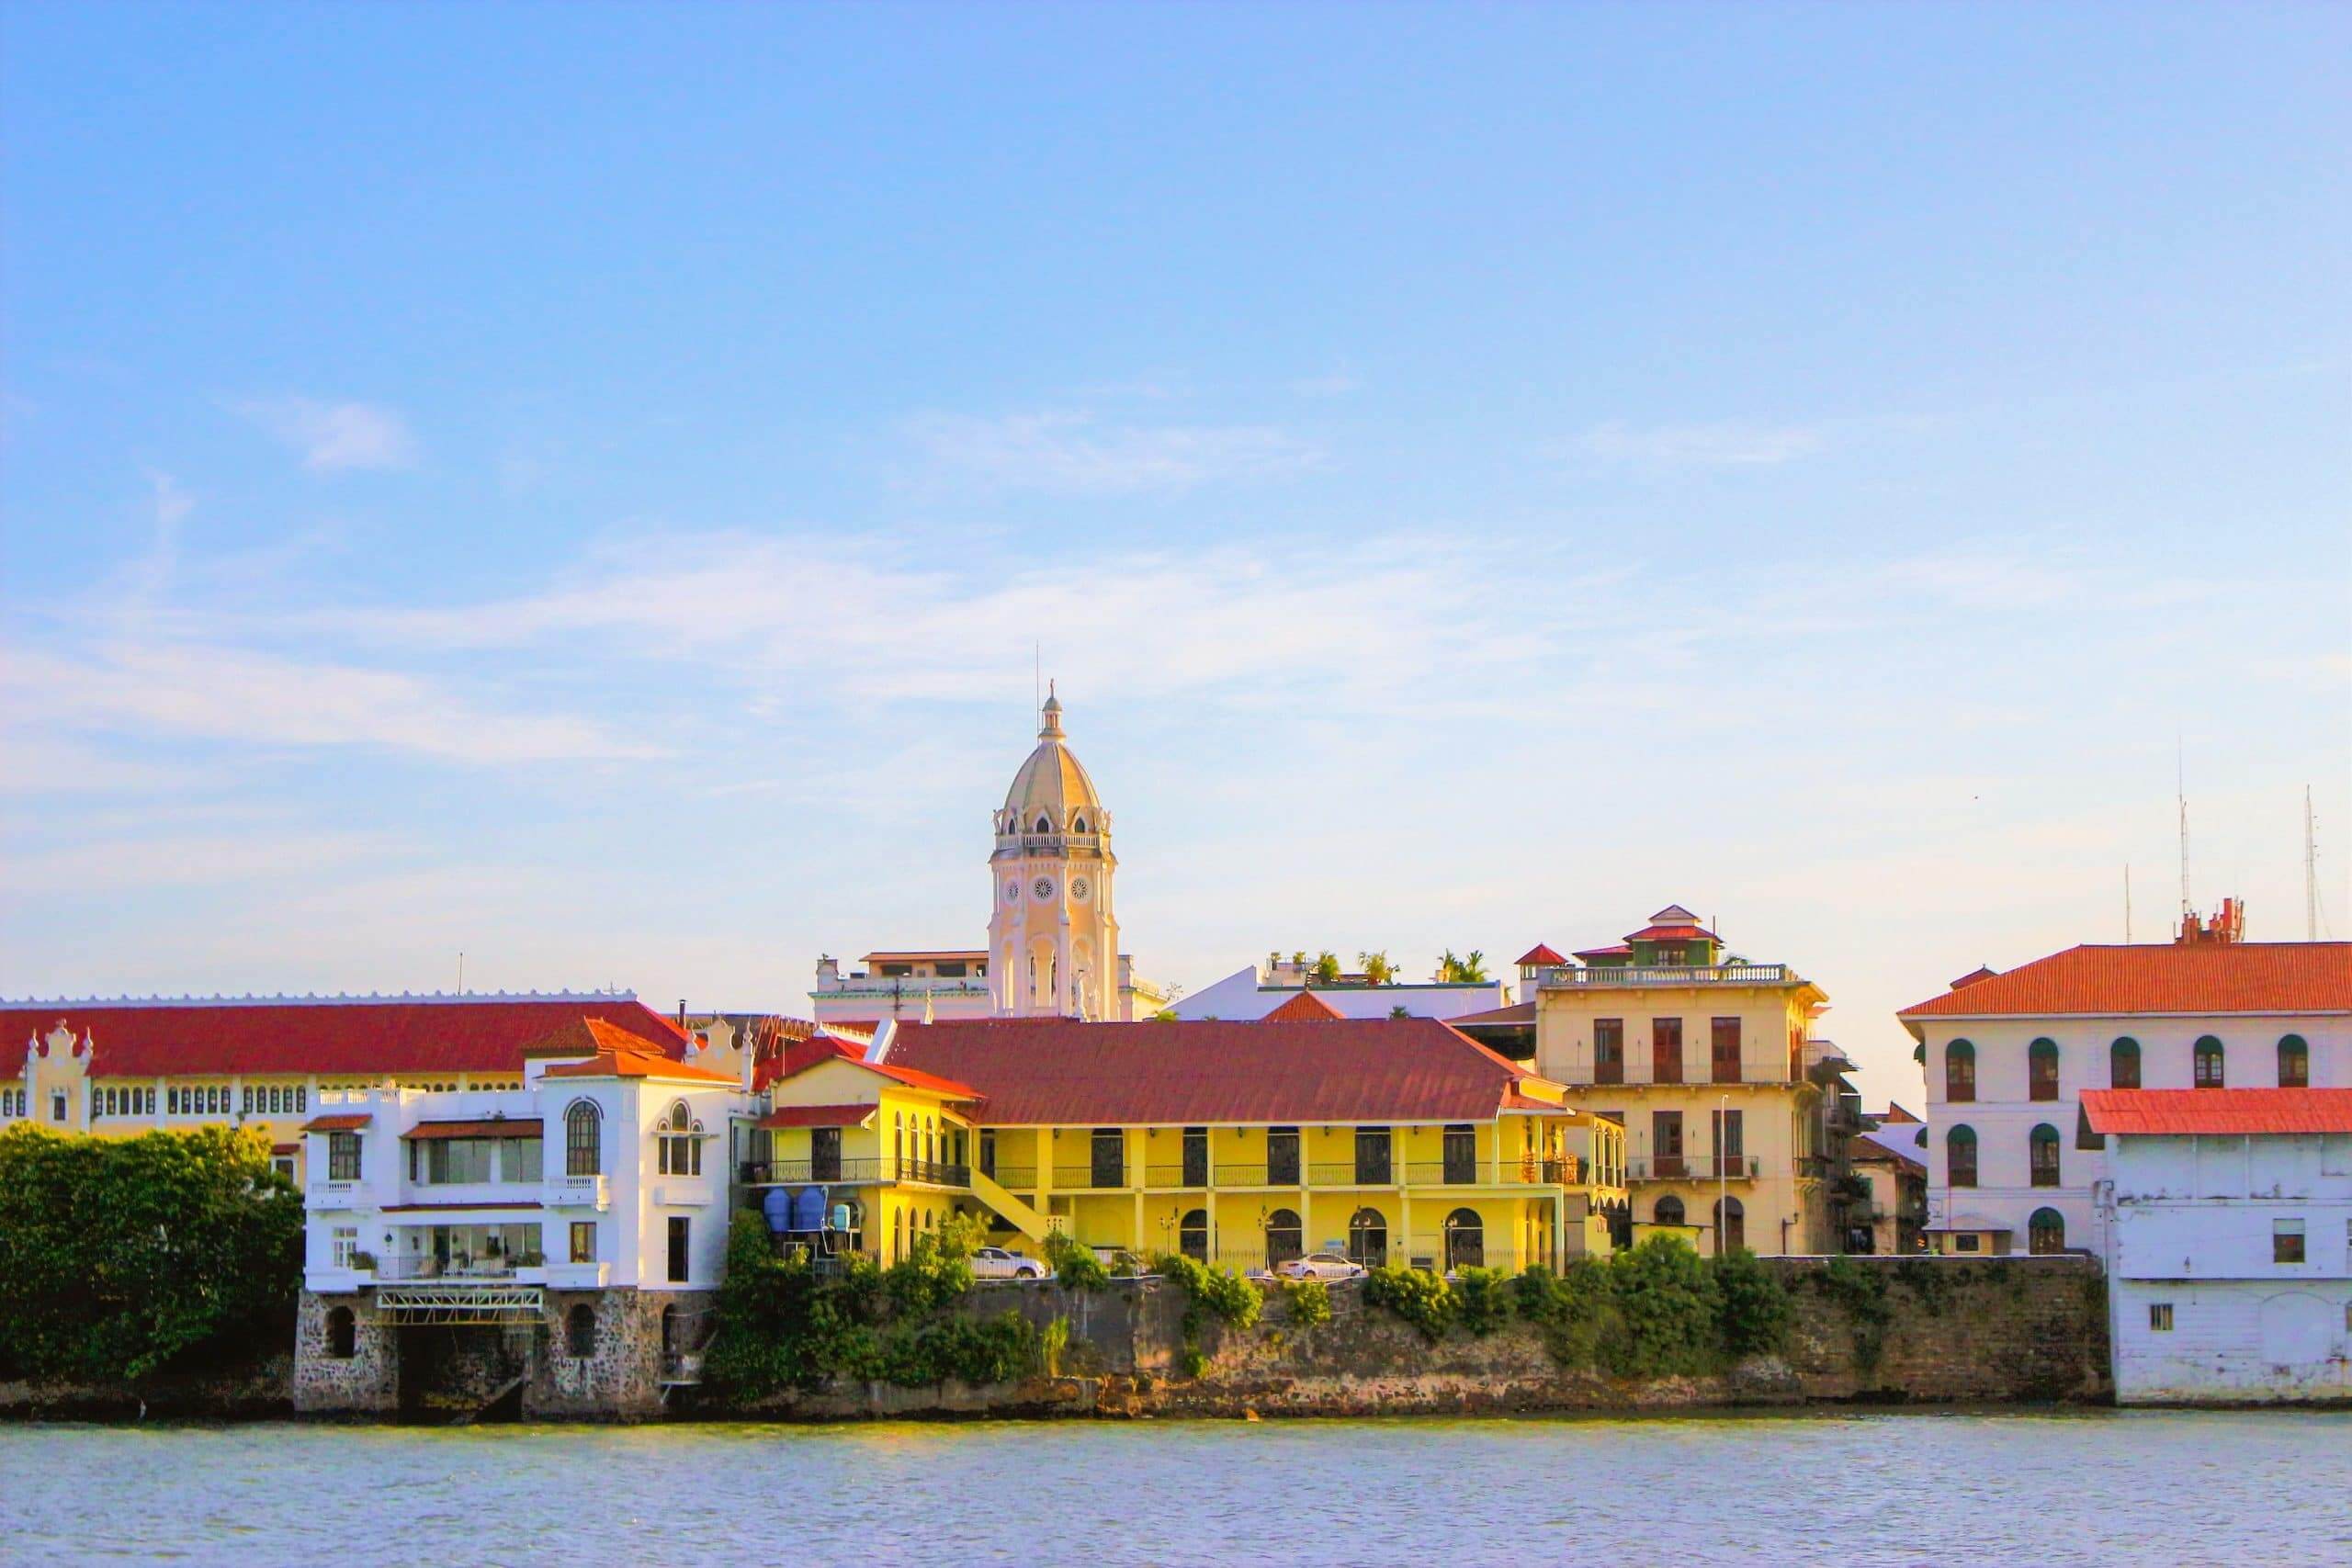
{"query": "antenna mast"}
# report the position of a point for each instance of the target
(2127, 904)
(2180, 794)
(2311, 870)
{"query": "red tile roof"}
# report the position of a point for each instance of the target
(2103, 982)
(1672, 933)
(1619, 951)
(178, 1039)
(1518, 1014)
(487, 1127)
(1306, 1007)
(1538, 954)
(816, 1115)
(915, 1078)
(2223, 1111)
(611, 1053)
(338, 1122)
(799, 1055)
(1057, 1072)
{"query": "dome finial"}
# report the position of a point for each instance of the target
(1049, 726)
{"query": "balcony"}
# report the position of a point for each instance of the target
(864, 1170)
(1089, 1178)
(577, 1192)
(404, 1268)
(1693, 1168)
(578, 1276)
(333, 1195)
(1571, 977)
(1192, 1177)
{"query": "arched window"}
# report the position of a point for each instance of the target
(2294, 1063)
(899, 1142)
(343, 1333)
(1043, 824)
(1466, 1240)
(681, 1148)
(1959, 1071)
(579, 1332)
(583, 1139)
(1959, 1157)
(1368, 1238)
(2123, 1064)
(2043, 1141)
(1193, 1234)
(1669, 1211)
(1078, 824)
(2046, 1233)
(2042, 1069)
(2209, 1063)
(1731, 1225)
(1285, 1236)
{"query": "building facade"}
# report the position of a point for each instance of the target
(2226, 1218)
(1239, 1144)
(558, 1241)
(1732, 1110)
(115, 1069)
(1254, 992)
(1053, 945)
(2011, 1166)
(1888, 1214)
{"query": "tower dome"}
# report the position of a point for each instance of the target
(1051, 786)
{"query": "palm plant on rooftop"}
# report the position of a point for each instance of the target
(1469, 971)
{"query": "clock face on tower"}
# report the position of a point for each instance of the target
(1043, 887)
(1077, 888)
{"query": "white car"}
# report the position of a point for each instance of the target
(996, 1263)
(1320, 1266)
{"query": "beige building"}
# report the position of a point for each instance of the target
(1729, 1106)
(1052, 948)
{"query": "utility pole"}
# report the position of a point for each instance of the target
(2311, 870)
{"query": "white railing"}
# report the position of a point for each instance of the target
(333, 1195)
(1567, 977)
(576, 1193)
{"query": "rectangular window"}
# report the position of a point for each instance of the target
(825, 1153)
(57, 1105)
(2043, 1157)
(1461, 1155)
(521, 1160)
(1196, 1156)
(347, 1241)
(1665, 1142)
(1724, 1040)
(681, 1234)
(1964, 1244)
(1109, 1150)
(283, 1165)
(450, 1161)
(584, 1241)
(1731, 1141)
(987, 1152)
(1665, 1050)
(2160, 1317)
(1609, 1050)
(1372, 1157)
(343, 1157)
(1282, 1156)
(2286, 1241)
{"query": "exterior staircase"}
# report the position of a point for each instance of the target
(1028, 1220)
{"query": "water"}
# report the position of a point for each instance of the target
(2105, 1487)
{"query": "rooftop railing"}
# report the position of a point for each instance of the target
(1693, 1168)
(1568, 976)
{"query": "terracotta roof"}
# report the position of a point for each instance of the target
(1619, 950)
(1057, 1072)
(1672, 933)
(1538, 954)
(369, 1038)
(1514, 1101)
(799, 1055)
(1518, 1014)
(2102, 982)
(1305, 1006)
(885, 956)
(510, 1127)
(613, 1053)
(2225, 1110)
(338, 1122)
(816, 1115)
(915, 1078)
(285, 1148)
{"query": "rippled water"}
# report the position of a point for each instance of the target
(2098, 1487)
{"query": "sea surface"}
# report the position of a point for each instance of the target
(2105, 1487)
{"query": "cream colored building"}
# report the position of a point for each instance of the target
(1726, 1101)
(1053, 949)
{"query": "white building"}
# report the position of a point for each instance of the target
(566, 1236)
(2228, 1227)
(2011, 1164)
(1053, 945)
(1251, 993)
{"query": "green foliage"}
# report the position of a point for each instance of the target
(1218, 1293)
(1075, 1267)
(1668, 1311)
(1574, 1309)
(1327, 967)
(1052, 1343)
(1310, 1302)
(1191, 1363)
(929, 1276)
(1377, 969)
(1861, 1291)
(1421, 1298)
(1461, 971)
(1930, 1282)
(120, 1257)
(1481, 1299)
(1753, 1306)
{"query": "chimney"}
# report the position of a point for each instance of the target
(2227, 927)
(1982, 972)
(682, 1012)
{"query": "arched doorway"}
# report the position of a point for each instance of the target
(2046, 1233)
(1285, 1237)
(1466, 1240)
(1669, 1211)
(1193, 1234)
(1731, 1225)
(1368, 1238)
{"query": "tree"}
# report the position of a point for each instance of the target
(122, 1255)
(1327, 967)
(1470, 971)
(1378, 969)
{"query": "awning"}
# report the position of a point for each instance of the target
(342, 1122)
(285, 1148)
(818, 1116)
(494, 1127)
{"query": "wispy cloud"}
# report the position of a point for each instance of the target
(1074, 453)
(1729, 444)
(336, 436)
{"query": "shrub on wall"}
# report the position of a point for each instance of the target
(1573, 1309)
(1861, 1291)
(1310, 1302)
(1754, 1306)
(122, 1257)
(1667, 1311)
(1481, 1299)
(1075, 1267)
(1421, 1298)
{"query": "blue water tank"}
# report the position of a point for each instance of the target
(777, 1207)
(840, 1216)
(808, 1210)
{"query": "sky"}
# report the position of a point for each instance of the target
(592, 488)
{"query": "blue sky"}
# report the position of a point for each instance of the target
(583, 486)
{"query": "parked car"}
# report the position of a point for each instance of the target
(996, 1263)
(1320, 1266)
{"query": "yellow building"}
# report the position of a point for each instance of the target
(1238, 1144)
(122, 1067)
(1729, 1106)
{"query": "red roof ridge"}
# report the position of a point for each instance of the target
(1305, 1006)
(2100, 981)
(1539, 954)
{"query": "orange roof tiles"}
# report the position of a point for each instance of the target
(613, 1054)
(338, 1122)
(2099, 982)
(1538, 954)
(485, 1127)
(1305, 1006)
(2221, 1110)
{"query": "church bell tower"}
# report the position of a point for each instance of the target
(1053, 937)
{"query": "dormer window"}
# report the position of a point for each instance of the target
(1044, 824)
(1078, 824)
